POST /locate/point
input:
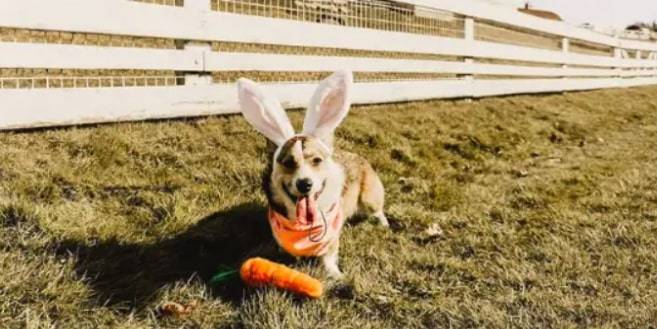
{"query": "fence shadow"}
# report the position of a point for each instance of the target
(129, 274)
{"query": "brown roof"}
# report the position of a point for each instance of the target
(541, 13)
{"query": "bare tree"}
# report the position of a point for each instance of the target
(652, 26)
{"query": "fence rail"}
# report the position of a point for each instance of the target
(409, 50)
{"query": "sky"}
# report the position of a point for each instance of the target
(615, 13)
(601, 13)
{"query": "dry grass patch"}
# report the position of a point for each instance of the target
(527, 211)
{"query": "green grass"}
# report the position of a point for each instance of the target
(543, 212)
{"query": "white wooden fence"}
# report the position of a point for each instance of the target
(480, 68)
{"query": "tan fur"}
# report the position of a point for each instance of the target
(342, 175)
(362, 189)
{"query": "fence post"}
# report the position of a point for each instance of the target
(198, 78)
(618, 55)
(201, 77)
(565, 49)
(469, 26)
(469, 35)
(639, 55)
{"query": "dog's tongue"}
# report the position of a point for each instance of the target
(306, 210)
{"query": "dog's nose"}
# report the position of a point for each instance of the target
(304, 185)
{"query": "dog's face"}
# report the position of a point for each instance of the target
(302, 166)
(302, 163)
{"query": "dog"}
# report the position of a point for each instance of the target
(311, 188)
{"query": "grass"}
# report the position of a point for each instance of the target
(526, 211)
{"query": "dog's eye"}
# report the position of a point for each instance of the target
(290, 164)
(317, 161)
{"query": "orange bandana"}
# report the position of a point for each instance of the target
(307, 236)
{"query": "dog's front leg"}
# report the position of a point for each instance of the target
(330, 261)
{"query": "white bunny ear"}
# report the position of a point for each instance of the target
(328, 106)
(264, 112)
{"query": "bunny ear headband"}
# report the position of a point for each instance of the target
(328, 107)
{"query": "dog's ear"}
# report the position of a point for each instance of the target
(264, 112)
(328, 106)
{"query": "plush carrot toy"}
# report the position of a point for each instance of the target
(259, 272)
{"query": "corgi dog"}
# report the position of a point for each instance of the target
(311, 187)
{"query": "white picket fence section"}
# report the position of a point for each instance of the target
(36, 106)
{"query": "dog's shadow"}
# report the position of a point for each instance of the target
(130, 274)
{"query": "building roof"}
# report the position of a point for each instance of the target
(541, 13)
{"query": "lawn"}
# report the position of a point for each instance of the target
(524, 211)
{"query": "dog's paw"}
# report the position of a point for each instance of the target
(334, 274)
(383, 220)
(337, 276)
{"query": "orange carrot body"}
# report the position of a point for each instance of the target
(258, 272)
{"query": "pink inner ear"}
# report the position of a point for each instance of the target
(331, 106)
(252, 104)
